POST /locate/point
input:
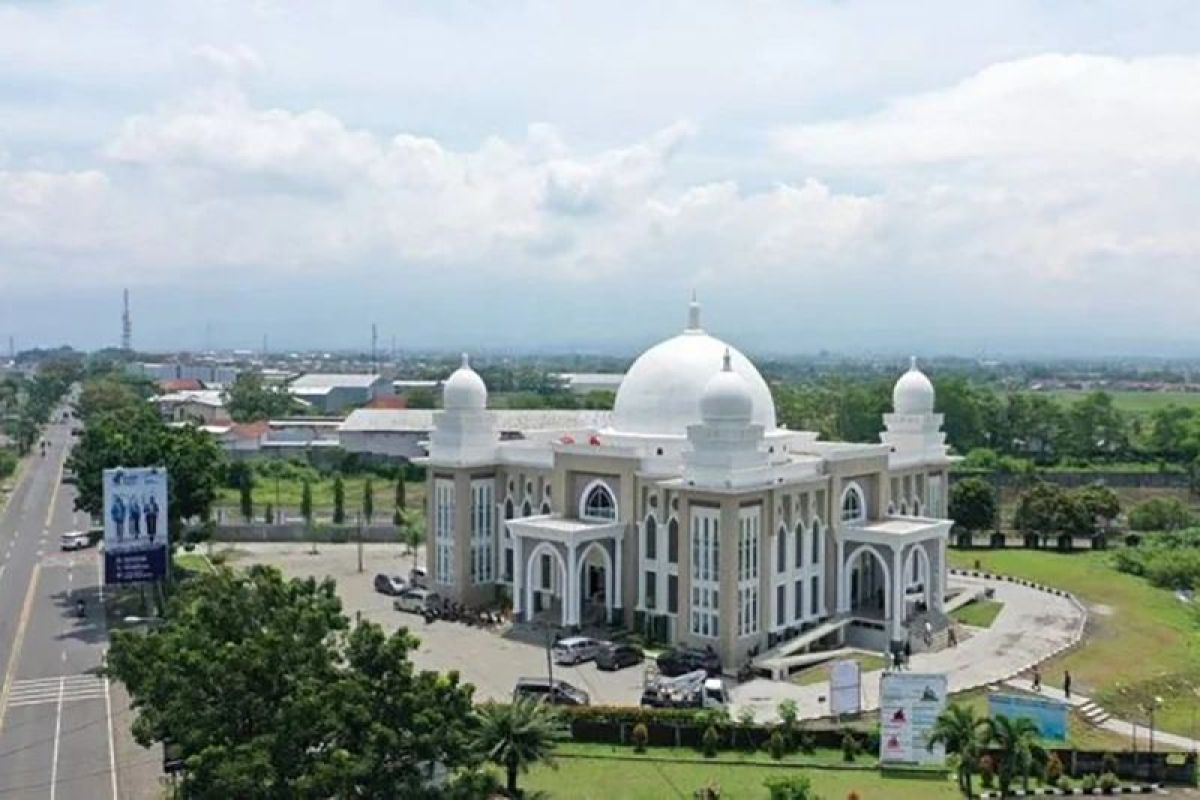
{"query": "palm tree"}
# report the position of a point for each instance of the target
(964, 733)
(517, 736)
(1017, 741)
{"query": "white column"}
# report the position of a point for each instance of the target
(939, 597)
(571, 591)
(897, 587)
(618, 587)
(843, 598)
(518, 577)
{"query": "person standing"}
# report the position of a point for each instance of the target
(1067, 683)
(907, 651)
(1037, 678)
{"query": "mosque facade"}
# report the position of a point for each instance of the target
(692, 517)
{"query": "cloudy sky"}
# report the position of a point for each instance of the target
(968, 177)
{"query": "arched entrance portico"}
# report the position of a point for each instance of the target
(869, 585)
(595, 585)
(917, 581)
(546, 585)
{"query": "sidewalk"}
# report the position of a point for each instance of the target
(1033, 626)
(1108, 722)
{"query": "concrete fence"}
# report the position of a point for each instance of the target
(299, 532)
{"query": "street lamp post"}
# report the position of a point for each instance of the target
(1155, 702)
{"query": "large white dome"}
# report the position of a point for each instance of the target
(661, 392)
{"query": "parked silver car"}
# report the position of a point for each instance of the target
(416, 601)
(575, 650)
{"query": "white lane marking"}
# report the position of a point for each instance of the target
(57, 735)
(112, 753)
(64, 655)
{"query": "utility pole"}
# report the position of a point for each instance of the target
(126, 326)
(374, 348)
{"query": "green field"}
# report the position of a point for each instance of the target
(981, 613)
(601, 772)
(820, 673)
(1135, 402)
(1140, 641)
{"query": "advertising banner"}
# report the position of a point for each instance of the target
(1048, 714)
(135, 524)
(909, 705)
(845, 687)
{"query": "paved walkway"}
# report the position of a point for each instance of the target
(1033, 626)
(1110, 723)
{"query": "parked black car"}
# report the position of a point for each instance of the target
(613, 655)
(390, 584)
(682, 660)
(559, 693)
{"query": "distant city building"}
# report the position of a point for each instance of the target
(405, 433)
(332, 393)
(587, 382)
(202, 406)
(689, 514)
(211, 375)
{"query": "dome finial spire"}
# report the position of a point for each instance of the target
(727, 362)
(694, 313)
(912, 362)
(466, 361)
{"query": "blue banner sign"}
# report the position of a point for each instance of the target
(1048, 714)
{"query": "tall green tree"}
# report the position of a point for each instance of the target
(1100, 503)
(963, 733)
(246, 495)
(249, 399)
(400, 491)
(412, 530)
(339, 499)
(368, 500)
(306, 501)
(973, 504)
(1017, 741)
(517, 736)
(269, 693)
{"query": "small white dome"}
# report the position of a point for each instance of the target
(660, 394)
(726, 396)
(913, 393)
(464, 389)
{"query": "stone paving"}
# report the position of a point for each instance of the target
(1032, 626)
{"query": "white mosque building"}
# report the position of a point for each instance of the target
(692, 515)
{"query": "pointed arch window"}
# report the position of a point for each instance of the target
(854, 507)
(673, 541)
(598, 503)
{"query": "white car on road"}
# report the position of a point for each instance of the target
(75, 540)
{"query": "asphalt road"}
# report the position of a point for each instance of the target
(63, 729)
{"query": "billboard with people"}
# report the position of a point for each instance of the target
(909, 705)
(135, 524)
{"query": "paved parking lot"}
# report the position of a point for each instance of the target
(489, 660)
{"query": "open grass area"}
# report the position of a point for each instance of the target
(820, 672)
(608, 772)
(1140, 641)
(1135, 402)
(980, 613)
(192, 562)
(287, 493)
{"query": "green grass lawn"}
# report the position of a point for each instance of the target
(193, 562)
(1135, 402)
(584, 774)
(820, 672)
(980, 613)
(1140, 641)
(289, 492)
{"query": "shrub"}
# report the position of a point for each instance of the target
(1108, 764)
(777, 744)
(1063, 784)
(1109, 783)
(1054, 768)
(789, 712)
(710, 741)
(640, 735)
(987, 771)
(1088, 784)
(850, 747)
(790, 787)
(710, 792)
(853, 796)
(808, 744)
(8, 462)
(1160, 514)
